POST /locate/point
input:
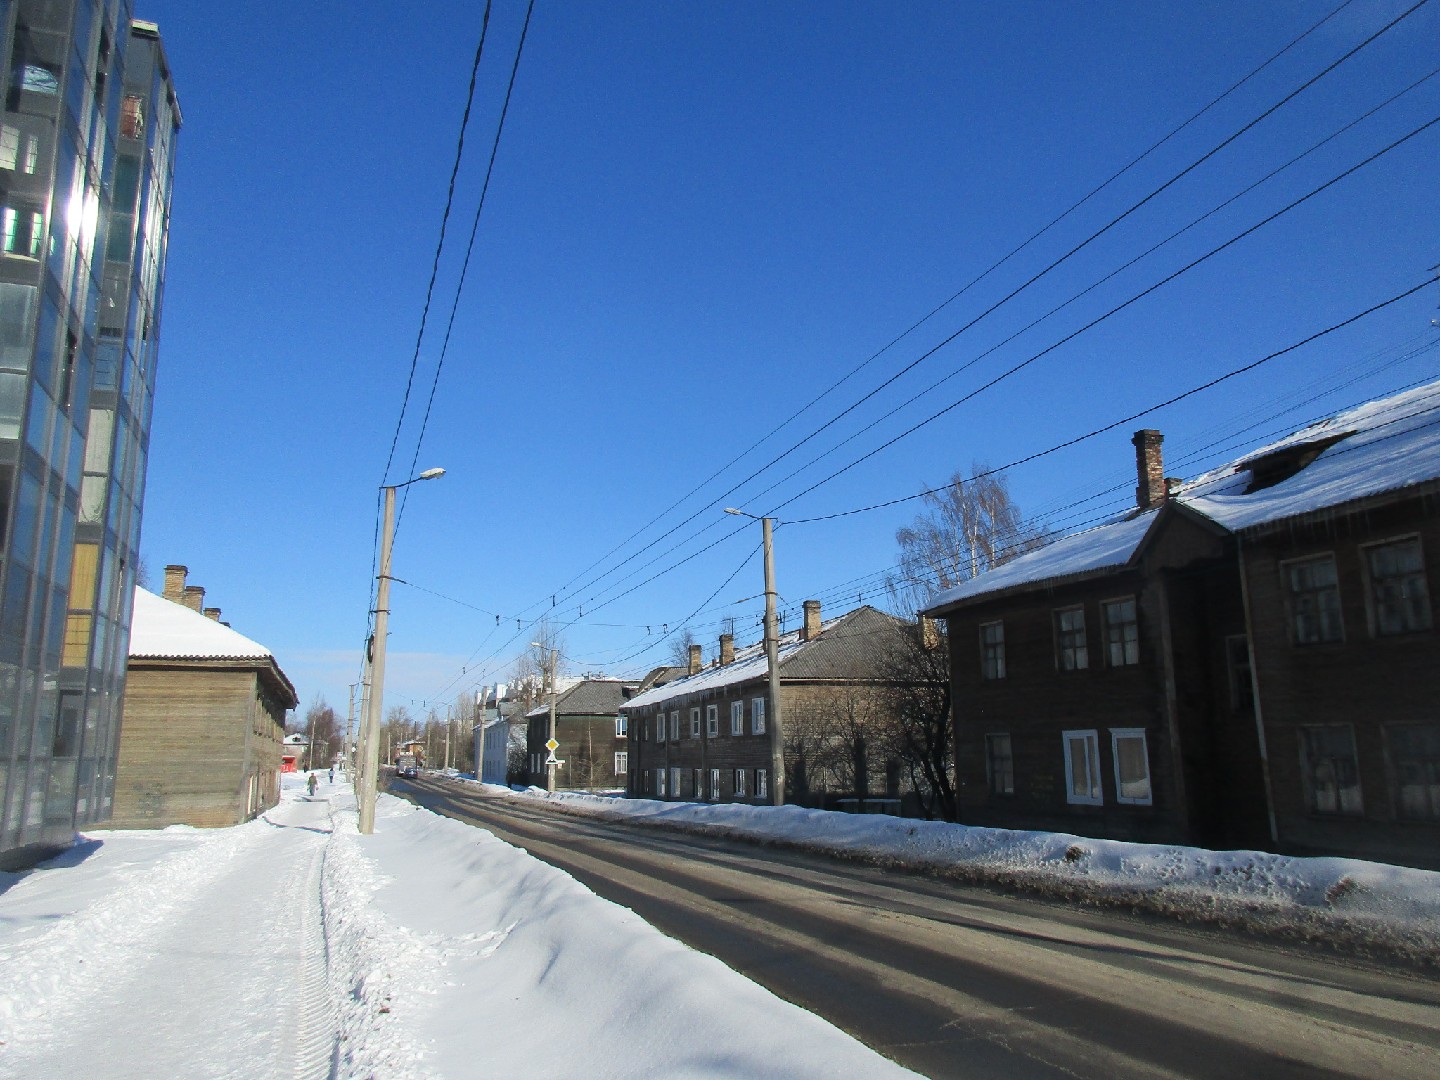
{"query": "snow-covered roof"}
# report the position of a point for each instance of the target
(1379, 447)
(750, 662)
(163, 629)
(587, 697)
(1373, 449)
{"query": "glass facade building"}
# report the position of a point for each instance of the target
(87, 147)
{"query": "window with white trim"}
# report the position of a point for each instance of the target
(757, 716)
(999, 764)
(740, 784)
(737, 718)
(1415, 764)
(1082, 768)
(694, 723)
(675, 726)
(660, 727)
(762, 783)
(675, 782)
(992, 650)
(1399, 595)
(697, 783)
(1071, 652)
(1132, 766)
(712, 721)
(1314, 595)
(622, 726)
(622, 762)
(714, 784)
(1122, 632)
(660, 783)
(1330, 770)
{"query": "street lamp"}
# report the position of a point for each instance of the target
(377, 663)
(550, 763)
(772, 660)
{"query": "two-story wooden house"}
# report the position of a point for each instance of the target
(590, 731)
(1247, 660)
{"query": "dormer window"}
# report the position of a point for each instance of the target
(1280, 465)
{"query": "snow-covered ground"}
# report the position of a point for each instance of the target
(1345, 901)
(292, 946)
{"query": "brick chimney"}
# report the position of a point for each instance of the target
(696, 660)
(193, 597)
(212, 613)
(1149, 469)
(175, 582)
(811, 629)
(727, 649)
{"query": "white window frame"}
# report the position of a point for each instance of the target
(737, 718)
(675, 781)
(1116, 736)
(660, 783)
(622, 726)
(675, 726)
(1125, 646)
(698, 780)
(712, 721)
(757, 716)
(714, 785)
(740, 786)
(622, 762)
(762, 783)
(990, 777)
(660, 727)
(1091, 739)
(695, 723)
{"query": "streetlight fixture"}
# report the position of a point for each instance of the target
(550, 763)
(377, 662)
(772, 660)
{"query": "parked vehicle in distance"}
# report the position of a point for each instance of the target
(406, 765)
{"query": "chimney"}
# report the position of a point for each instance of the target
(175, 582)
(811, 629)
(1149, 469)
(193, 597)
(212, 613)
(696, 663)
(727, 649)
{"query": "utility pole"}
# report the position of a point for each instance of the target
(551, 765)
(349, 745)
(772, 659)
(447, 738)
(480, 734)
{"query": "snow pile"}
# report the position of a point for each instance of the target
(1366, 903)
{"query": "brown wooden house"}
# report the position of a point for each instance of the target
(1248, 660)
(590, 728)
(705, 737)
(203, 720)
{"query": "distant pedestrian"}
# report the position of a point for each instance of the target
(311, 783)
(332, 774)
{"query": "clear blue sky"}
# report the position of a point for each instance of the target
(701, 216)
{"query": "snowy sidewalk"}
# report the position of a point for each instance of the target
(292, 946)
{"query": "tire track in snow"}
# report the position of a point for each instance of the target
(317, 1032)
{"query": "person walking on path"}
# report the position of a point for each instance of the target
(311, 784)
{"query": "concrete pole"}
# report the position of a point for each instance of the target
(550, 766)
(772, 659)
(377, 671)
(480, 733)
(447, 738)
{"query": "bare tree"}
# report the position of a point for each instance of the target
(680, 647)
(326, 733)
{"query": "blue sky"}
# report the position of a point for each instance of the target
(701, 217)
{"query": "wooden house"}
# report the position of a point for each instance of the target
(1247, 660)
(590, 728)
(203, 719)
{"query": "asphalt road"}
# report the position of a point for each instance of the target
(950, 980)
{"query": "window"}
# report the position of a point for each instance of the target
(737, 718)
(1132, 766)
(1415, 760)
(714, 784)
(694, 723)
(622, 762)
(739, 783)
(21, 231)
(762, 783)
(1237, 664)
(1329, 769)
(660, 783)
(1314, 601)
(992, 650)
(1082, 768)
(132, 116)
(18, 151)
(757, 716)
(999, 765)
(712, 720)
(660, 727)
(675, 726)
(697, 783)
(675, 782)
(1399, 597)
(1122, 633)
(1072, 654)
(622, 726)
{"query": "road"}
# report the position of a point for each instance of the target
(954, 981)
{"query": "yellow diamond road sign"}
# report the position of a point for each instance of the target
(551, 745)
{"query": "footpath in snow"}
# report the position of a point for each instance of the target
(1348, 903)
(292, 946)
